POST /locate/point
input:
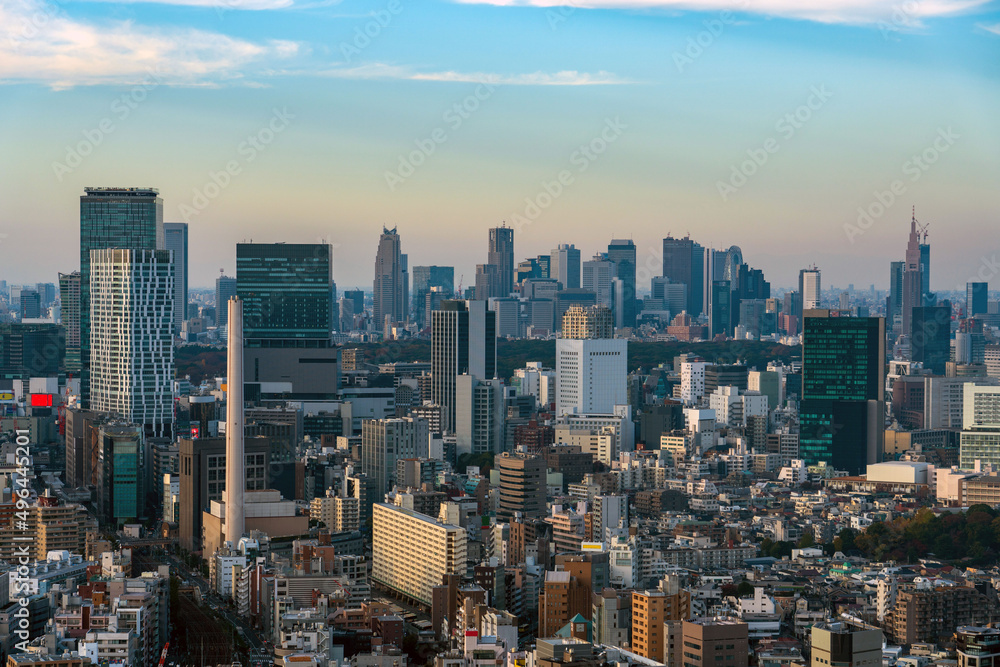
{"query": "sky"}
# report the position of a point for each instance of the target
(804, 132)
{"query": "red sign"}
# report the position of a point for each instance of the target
(41, 400)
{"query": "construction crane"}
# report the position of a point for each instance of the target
(163, 655)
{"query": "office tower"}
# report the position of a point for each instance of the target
(358, 296)
(597, 275)
(120, 454)
(424, 279)
(509, 319)
(527, 270)
(980, 437)
(30, 304)
(976, 299)
(501, 255)
(545, 266)
(522, 486)
(31, 350)
(912, 277)
(684, 262)
(412, 552)
(666, 295)
(487, 281)
(930, 336)
(479, 416)
(843, 390)
(591, 375)
(809, 288)
(568, 298)
(69, 297)
(565, 265)
(386, 441)
(388, 286)
(585, 323)
(713, 641)
(839, 644)
(925, 270)
(651, 611)
(463, 342)
(894, 310)
(622, 253)
(175, 235)
(129, 218)
(225, 289)
(235, 425)
(404, 267)
(202, 466)
(790, 318)
(131, 336)
(720, 315)
(285, 291)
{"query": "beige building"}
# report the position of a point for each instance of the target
(590, 322)
(411, 552)
(337, 513)
(837, 644)
(265, 511)
(651, 610)
(51, 527)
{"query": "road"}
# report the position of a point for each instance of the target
(260, 654)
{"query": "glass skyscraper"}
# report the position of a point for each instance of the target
(285, 288)
(622, 253)
(130, 218)
(176, 240)
(843, 391)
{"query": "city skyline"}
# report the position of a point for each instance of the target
(289, 105)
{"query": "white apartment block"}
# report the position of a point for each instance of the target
(591, 375)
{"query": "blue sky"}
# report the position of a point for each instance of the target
(762, 123)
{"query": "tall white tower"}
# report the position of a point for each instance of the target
(235, 458)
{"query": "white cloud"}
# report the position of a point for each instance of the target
(995, 28)
(563, 78)
(39, 43)
(823, 11)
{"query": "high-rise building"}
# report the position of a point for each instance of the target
(30, 304)
(976, 299)
(175, 235)
(479, 416)
(463, 342)
(925, 271)
(930, 336)
(980, 438)
(894, 309)
(522, 486)
(285, 290)
(388, 287)
(622, 253)
(386, 441)
(412, 552)
(235, 425)
(597, 276)
(31, 350)
(912, 277)
(843, 390)
(487, 282)
(501, 255)
(587, 323)
(120, 471)
(720, 313)
(225, 289)
(426, 278)
(974, 645)
(131, 337)
(130, 218)
(651, 610)
(838, 644)
(563, 597)
(810, 288)
(565, 265)
(684, 262)
(591, 375)
(69, 298)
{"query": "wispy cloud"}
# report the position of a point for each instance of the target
(995, 28)
(823, 11)
(562, 78)
(40, 43)
(214, 4)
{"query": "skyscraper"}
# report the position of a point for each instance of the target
(597, 275)
(930, 336)
(225, 289)
(69, 297)
(591, 375)
(912, 277)
(425, 278)
(522, 486)
(285, 290)
(463, 342)
(894, 309)
(720, 315)
(843, 390)
(175, 235)
(235, 425)
(487, 282)
(386, 441)
(132, 309)
(130, 218)
(976, 299)
(388, 287)
(684, 262)
(622, 253)
(501, 255)
(565, 265)
(810, 288)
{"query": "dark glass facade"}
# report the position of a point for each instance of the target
(285, 289)
(684, 262)
(930, 336)
(622, 253)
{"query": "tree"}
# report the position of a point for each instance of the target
(745, 589)
(807, 541)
